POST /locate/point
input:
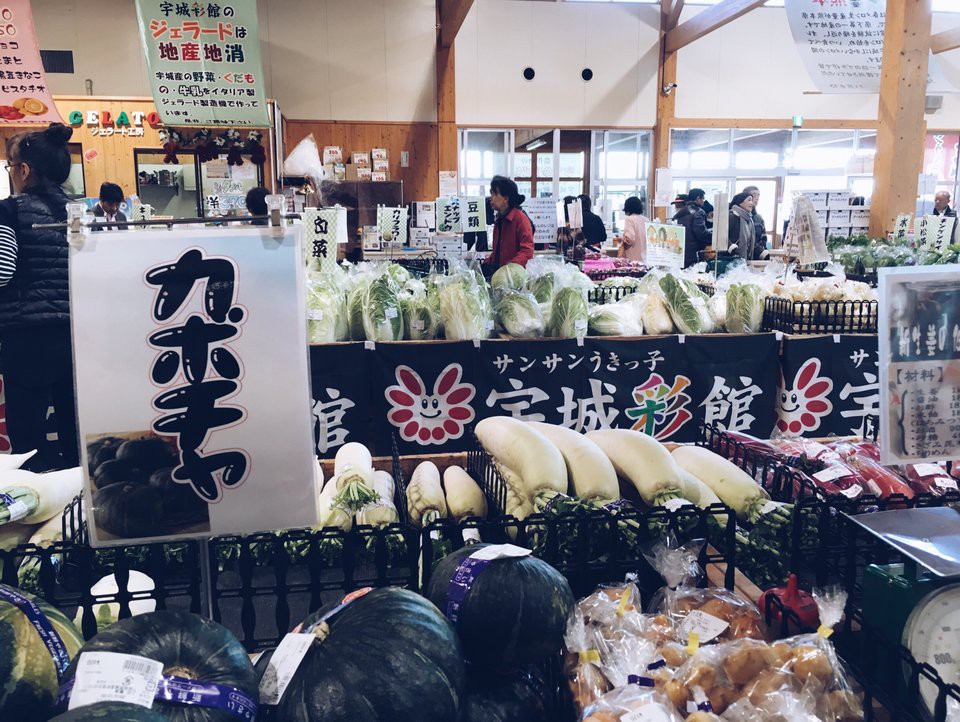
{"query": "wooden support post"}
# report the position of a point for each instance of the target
(666, 106)
(901, 126)
(446, 112)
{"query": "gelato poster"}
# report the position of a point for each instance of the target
(203, 60)
(24, 94)
(665, 244)
(193, 392)
(919, 325)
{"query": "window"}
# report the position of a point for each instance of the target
(760, 149)
(822, 149)
(700, 149)
(620, 166)
(483, 154)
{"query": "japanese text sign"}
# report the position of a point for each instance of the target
(204, 365)
(937, 232)
(448, 215)
(324, 228)
(392, 224)
(543, 216)
(902, 227)
(204, 62)
(473, 214)
(24, 94)
(919, 325)
(665, 244)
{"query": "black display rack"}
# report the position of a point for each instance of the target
(817, 317)
(609, 294)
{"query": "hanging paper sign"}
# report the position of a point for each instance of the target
(392, 224)
(473, 213)
(448, 215)
(665, 245)
(575, 214)
(325, 228)
(425, 215)
(24, 93)
(919, 364)
(938, 232)
(185, 370)
(543, 215)
(203, 60)
(340, 383)
(902, 227)
(805, 238)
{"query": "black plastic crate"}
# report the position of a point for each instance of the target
(609, 294)
(423, 266)
(818, 317)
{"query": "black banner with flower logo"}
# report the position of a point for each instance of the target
(340, 382)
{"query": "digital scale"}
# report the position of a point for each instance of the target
(916, 603)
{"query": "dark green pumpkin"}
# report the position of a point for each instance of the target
(180, 502)
(102, 450)
(128, 510)
(28, 677)
(148, 454)
(515, 612)
(521, 697)
(390, 656)
(118, 471)
(111, 712)
(188, 646)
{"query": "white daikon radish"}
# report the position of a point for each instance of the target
(735, 487)
(139, 585)
(527, 452)
(696, 491)
(425, 502)
(14, 461)
(49, 532)
(317, 477)
(382, 511)
(43, 495)
(644, 461)
(590, 472)
(331, 514)
(464, 496)
(353, 469)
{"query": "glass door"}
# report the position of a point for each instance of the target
(767, 207)
(169, 188)
(223, 188)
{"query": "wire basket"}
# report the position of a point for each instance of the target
(818, 317)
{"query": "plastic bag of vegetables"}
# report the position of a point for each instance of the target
(510, 277)
(327, 319)
(381, 313)
(569, 317)
(654, 314)
(465, 307)
(421, 316)
(718, 309)
(744, 308)
(519, 314)
(616, 319)
(687, 305)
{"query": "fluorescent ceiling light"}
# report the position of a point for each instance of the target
(538, 143)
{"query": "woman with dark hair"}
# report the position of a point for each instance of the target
(36, 357)
(565, 234)
(512, 231)
(741, 230)
(633, 242)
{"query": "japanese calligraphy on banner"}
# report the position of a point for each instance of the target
(392, 224)
(203, 365)
(938, 232)
(902, 227)
(919, 364)
(448, 215)
(841, 44)
(204, 62)
(665, 244)
(24, 94)
(473, 212)
(341, 396)
(325, 228)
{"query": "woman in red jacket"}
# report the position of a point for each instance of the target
(513, 231)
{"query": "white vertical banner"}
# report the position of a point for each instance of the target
(721, 221)
(473, 214)
(448, 215)
(392, 224)
(902, 227)
(325, 228)
(193, 392)
(575, 214)
(664, 192)
(938, 232)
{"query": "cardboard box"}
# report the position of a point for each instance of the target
(839, 202)
(822, 218)
(378, 177)
(859, 224)
(361, 160)
(842, 232)
(816, 197)
(363, 174)
(379, 154)
(839, 218)
(332, 154)
(858, 214)
(381, 166)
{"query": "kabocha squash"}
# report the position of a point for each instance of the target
(28, 675)
(520, 697)
(102, 450)
(118, 471)
(189, 647)
(128, 510)
(515, 611)
(111, 712)
(180, 502)
(148, 454)
(389, 656)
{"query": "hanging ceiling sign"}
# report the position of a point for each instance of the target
(24, 94)
(204, 63)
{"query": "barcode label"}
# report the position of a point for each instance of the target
(114, 677)
(139, 665)
(15, 509)
(282, 665)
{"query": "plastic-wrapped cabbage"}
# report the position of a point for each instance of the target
(543, 287)
(569, 317)
(355, 301)
(615, 319)
(510, 277)
(655, 315)
(398, 274)
(420, 320)
(519, 314)
(326, 312)
(382, 316)
(465, 308)
(687, 305)
(744, 308)
(718, 309)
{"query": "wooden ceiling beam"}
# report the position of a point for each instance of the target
(452, 14)
(704, 23)
(673, 17)
(946, 40)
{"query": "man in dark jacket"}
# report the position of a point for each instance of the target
(594, 233)
(108, 209)
(759, 226)
(694, 220)
(941, 207)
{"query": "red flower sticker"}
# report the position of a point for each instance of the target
(430, 418)
(803, 407)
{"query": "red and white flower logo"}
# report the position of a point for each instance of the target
(803, 407)
(430, 418)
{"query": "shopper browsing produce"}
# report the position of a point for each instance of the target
(633, 242)
(760, 227)
(694, 219)
(595, 235)
(35, 345)
(741, 231)
(513, 231)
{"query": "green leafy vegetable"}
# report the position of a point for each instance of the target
(519, 314)
(570, 316)
(687, 305)
(382, 317)
(744, 308)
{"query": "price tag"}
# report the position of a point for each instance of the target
(500, 551)
(834, 472)
(925, 470)
(15, 508)
(417, 325)
(580, 325)
(391, 312)
(471, 535)
(489, 325)
(707, 626)
(651, 712)
(282, 666)
(852, 493)
(114, 677)
(315, 315)
(771, 506)
(945, 482)
(674, 504)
